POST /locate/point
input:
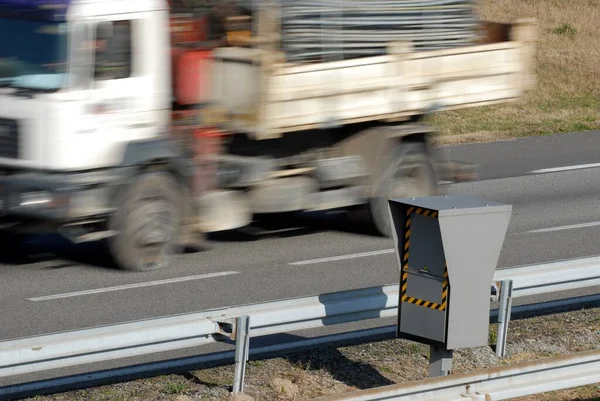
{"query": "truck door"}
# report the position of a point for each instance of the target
(115, 104)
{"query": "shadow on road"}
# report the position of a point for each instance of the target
(56, 252)
(59, 253)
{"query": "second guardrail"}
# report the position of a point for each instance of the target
(500, 383)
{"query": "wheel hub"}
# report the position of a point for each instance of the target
(408, 181)
(155, 223)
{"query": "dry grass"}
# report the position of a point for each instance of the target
(567, 94)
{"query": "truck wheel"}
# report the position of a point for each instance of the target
(148, 223)
(13, 246)
(408, 173)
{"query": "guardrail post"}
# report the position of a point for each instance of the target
(504, 310)
(242, 347)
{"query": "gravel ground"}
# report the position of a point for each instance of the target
(327, 371)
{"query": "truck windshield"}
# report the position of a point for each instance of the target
(33, 54)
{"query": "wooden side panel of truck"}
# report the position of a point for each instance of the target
(266, 97)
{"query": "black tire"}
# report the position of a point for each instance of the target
(10, 239)
(13, 247)
(152, 204)
(407, 172)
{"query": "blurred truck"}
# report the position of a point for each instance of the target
(145, 124)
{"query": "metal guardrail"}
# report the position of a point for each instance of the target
(146, 337)
(500, 383)
(551, 277)
(29, 355)
(186, 364)
(539, 279)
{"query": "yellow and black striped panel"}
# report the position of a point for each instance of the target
(409, 212)
(406, 238)
(405, 252)
(420, 302)
(422, 211)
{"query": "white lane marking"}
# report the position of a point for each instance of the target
(342, 257)
(566, 168)
(561, 228)
(130, 286)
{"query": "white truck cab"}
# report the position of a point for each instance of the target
(85, 103)
(59, 111)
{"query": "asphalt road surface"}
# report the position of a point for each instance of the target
(555, 216)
